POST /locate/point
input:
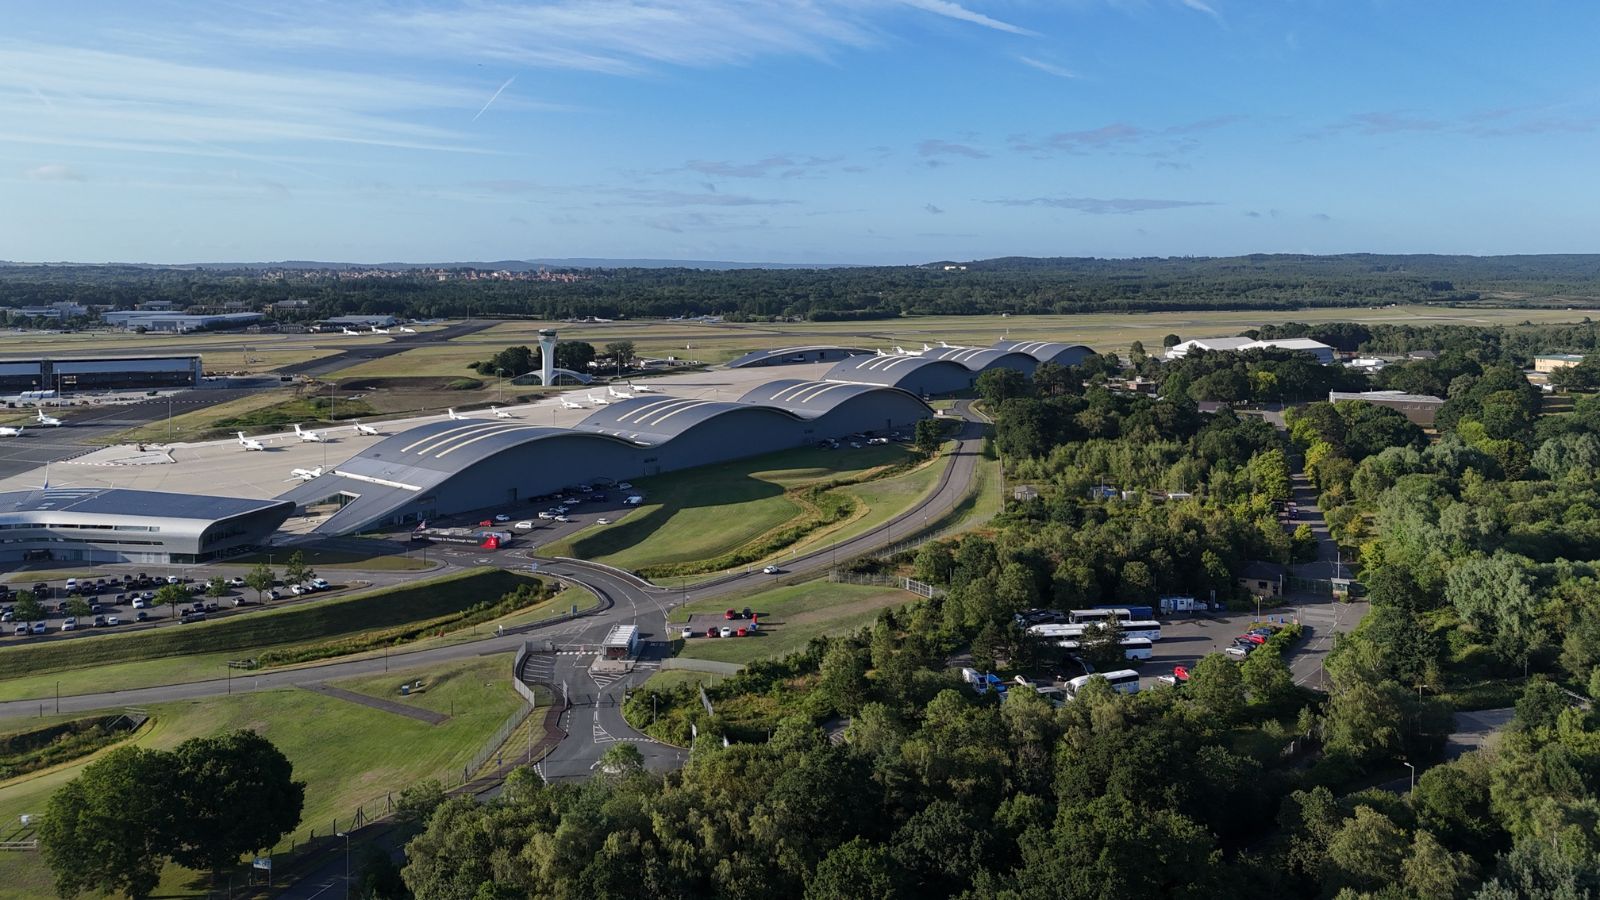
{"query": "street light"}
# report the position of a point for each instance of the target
(346, 836)
(1413, 775)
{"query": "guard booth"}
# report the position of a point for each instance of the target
(622, 643)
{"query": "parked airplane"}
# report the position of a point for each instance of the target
(10, 431)
(571, 405)
(377, 330)
(250, 443)
(620, 395)
(305, 474)
(405, 330)
(598, 401)
(457, 416)
(350, 331)
(500, 413)
(308, 436)
(365, 429)
(51, 421)
(642, 389)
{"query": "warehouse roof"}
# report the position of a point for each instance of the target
(121, 502)
(1043, 351)
(759, 356)
(422, 456)
(654, 420)
(814, 398)
(980, 358)
(885, 370)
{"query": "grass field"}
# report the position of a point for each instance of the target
(381, 559)
(790, 617)
(878, 502)
(291, 625)
(346, 753)
(703, 513)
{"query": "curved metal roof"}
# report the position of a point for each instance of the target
(811, 399)
(421, 457)
(980, 358)
(656, 419)
(889, 371)
(759, 356)
(1043, 351)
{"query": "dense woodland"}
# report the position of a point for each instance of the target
(1478, 560)
(1016, 285)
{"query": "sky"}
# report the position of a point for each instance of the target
(796, 131)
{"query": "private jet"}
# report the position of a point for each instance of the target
(350, 331)
(568, 404)
(598, 401)
(377, 330)
(366, 429)
(250, 443)
(457, 416)
(500, 413)
(405, 330)
(311, 437)
(51, 421)
(642, 389)
(10, 431)
(305, 474)
(620, 395)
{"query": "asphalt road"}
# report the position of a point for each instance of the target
(397, 343)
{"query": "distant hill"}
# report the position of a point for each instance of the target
(520, 265)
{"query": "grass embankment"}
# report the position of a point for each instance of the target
(730, 514)
(790, 617)
(380, 559)
(346, 753)
(427, 600)
(270, 410)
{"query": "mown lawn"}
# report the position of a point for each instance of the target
(703, 513)
(346, 753)
(790, 617)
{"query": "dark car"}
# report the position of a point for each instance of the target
(141, 616)
(193, 617)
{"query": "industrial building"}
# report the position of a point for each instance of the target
(1419, 408)
(457, 465)
(982, 359)
(362, 321)
(133, 320)
(1322, 352)
(1549, 362)
(106, 525)
(99, 373)
(1047, 351)
(921, 375)
(789, 356)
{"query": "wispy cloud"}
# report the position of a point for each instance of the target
(1098, 206)
(53, 172)
(493, 97)
(781, 166)
(957, 11)
(933, 148)
(933, 210)
(1123, 137)
(1048, 68)
(1200, 6)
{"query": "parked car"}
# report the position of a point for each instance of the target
(730, 614)
(320, 584)
(624, 486)
(142, 616)
(523, 526)
(39, 628)
(173, 579)
(192, 617)
(236, 581)
(486, 523)
(687, 632)
(727, 631)
(275, 594)
(501, 517)
(602, 521)
(296, 589)
(563, 518)
(748, 613)
(711, 632)
(70, 623)
(99, 621)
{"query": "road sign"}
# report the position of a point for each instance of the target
(262, 862)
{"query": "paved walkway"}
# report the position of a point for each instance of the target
(388, 706)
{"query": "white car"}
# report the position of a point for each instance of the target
(563, 518)
(770, 570)
(547, 515)
(502, 517)
(624, 486)
(296, 589)
(236, 581)
(70, 624)
(726, 631)
(523, 526)
(113, 621)
(602, 521)
(1235, 652)
(172, 579)
(686, 633)
(39, 628)
(140, 603)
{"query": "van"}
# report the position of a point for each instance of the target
(192, 617)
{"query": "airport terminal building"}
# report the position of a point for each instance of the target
(109, 525)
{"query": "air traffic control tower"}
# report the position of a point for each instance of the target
(547, 356)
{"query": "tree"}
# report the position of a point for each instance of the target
(1432, 872)
(27, 608)
(1365, 721)
(172, 596)
(261, 579)
(856, 868)
(1171, 340)
(621, 759)
(1303, 544)
(217, 587)
(621, 351)
(418, 801)
(77, 606)
(1136, 353)
(574, 355)
(1266, 676)
(999, 385)
(843, 678)
(928, 436)
(1101, 645)
(1216, 689)
(1365, 853)
(295, 571)
(237, 793)
(108, 830)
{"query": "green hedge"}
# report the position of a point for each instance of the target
(316, 620)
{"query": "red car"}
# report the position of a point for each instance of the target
(486, 523)
(730, 614)
(742, 632)
(711, 632)
(1253, 638)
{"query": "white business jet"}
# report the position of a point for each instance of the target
(457, 416)
(377, 330)
(350, 331)
(598, 401)
(305, 474)
(620, 395)
(405, 330)
(642, 389)
(568, 404)
(366, 429)
(500, 413)
(311, 437)
(250, 443)
(10, 431)
(51, 421)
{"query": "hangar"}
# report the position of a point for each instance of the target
(1048, 351)
(920, 375)
(982, 359)
(785, 356)
(456, 465)
(115, 525)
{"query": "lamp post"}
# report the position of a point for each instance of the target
(1413, 775)
(346, 836)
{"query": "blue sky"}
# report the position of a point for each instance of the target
(860, 131)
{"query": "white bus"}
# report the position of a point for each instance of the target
(1053, 629)
(1150, 631)
(1132, 648)
(1085, 616)
(1123, 681)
